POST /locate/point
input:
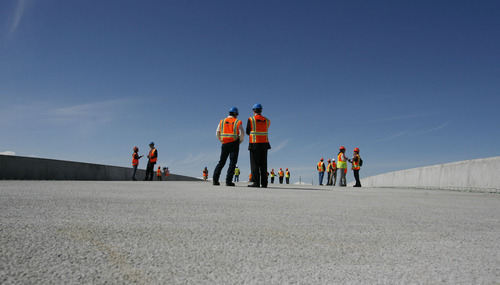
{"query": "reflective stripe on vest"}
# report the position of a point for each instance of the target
(355, 164)
(288, 174)
(259, 125)
(158, 172)
(341, 163)
(135, 161)
(272, 174)
(229, 129)
(151, 152)
(321, 166)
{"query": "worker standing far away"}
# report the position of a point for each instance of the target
(281, 175)
(272, 176)
(167, 173)
(230, 133)
(152, 158)
(342, 166)
(205, 174)
(321, 170)
(328, 172)
(356, 166)
(158, 173)
(257, 130)
(135, 162)
(237, 174)
(287, 176)
(333, 173)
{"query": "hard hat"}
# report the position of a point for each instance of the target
(233, 110)
(329, 160)
(151, 143)
(135, 148)
(356, 150)
(321, 159)
(342, 148)
(257, 106)
(287, 169)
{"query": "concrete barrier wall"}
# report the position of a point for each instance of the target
(28, 168)
(479, 175)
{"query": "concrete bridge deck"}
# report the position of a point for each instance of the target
(73, 232)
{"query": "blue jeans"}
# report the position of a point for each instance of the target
(133, 172)
(321, 174)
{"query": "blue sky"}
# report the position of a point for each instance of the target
(411, 83)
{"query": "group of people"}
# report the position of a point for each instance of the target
(230, 133)
(152, 158)
(340, 167)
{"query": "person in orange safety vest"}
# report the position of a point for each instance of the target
(257, 130)
(158, 173)
(356, 166)
(230, 134)
(333, 173)
(281, 175)
(321, 170)
(342, 166)
(135, 163)
(152, 158)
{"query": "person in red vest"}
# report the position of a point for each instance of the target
(321, 170)
(158, 173)
(333, 173)
(152, 158)
(167, 173)
(205, 174)
(135, 162)
(230, 133)
(257, 130)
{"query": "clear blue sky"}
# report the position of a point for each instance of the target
(411, 83)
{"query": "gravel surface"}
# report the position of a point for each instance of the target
(74, 232)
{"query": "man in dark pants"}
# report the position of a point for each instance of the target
(152, 158)
(257, 127)
(356, 166)
(230, 133)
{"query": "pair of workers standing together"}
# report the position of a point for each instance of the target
(230, 133)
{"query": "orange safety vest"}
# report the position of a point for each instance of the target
(272, 174)
(229, 130)
(334, 165)
(258, 126)
(288, 174)
(321, 166)
(281, 173)
(341, 162)
(205, 173)
(158, 172)
(355, 164)
(151, 152)
(135, 161)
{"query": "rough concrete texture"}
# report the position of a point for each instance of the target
(101, 232)
(479, 175)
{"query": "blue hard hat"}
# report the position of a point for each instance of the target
(151, 143)
(257, 106)
(233, 110)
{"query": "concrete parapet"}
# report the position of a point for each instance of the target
(29, 168)
(478, 175)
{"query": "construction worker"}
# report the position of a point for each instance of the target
(321, 170)
(328, 172)
(356, 166)
(158, 173)
(287, 176)
(342, 166)
(333, 173)
(152, 158)
(272, 176)
(205, 174)
(257, 129)
(236, 174)
(135, 162)
(167, 173)
(230, 134)
(281, 175)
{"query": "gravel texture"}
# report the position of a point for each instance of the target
(75, 232)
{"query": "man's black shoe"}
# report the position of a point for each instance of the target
(216, 183)
(263, 186)
(230, 184)
(254, 185)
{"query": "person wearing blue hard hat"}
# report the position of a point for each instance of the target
(257, 128)
(230, 134)
(152, 158)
